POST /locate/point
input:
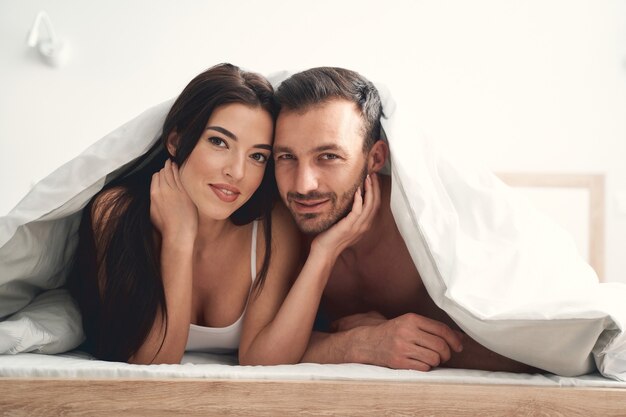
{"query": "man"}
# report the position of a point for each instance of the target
(326, 143)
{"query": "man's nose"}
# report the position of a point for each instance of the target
(306, 179)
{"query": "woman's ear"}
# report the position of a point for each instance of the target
(377, 156)
(172, 142)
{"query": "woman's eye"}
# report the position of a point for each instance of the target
(217, 141)
(259, 157)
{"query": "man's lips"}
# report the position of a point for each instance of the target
(225, 192)
(309, 206)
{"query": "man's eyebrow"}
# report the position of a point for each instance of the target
(231, 135)
(285, 149)
(328, 147)
(321, 148)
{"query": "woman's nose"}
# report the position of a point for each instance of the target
(235, 168)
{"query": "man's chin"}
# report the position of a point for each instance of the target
(311, 224)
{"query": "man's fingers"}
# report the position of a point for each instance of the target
(437, 328)
(409, 363)
(427, 356)
(434, 344)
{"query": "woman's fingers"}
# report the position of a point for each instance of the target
(371, 204)
(376, 191)
(155, 185)
(176, 173)
(168, 176)
(357, 204)
(369, 197)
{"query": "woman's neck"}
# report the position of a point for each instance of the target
(211, 231)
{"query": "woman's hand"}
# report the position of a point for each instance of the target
(171, 210)
(349, 230)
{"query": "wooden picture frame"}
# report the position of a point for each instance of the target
(592, 183)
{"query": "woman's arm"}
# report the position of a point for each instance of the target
(175, 217)
(279, 321)
(174, 236)
(166, 341)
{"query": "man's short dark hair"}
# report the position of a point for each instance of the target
(319, 85)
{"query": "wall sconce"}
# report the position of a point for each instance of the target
(54, 51)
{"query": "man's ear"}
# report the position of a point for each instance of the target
(377, 156)
(172, 142)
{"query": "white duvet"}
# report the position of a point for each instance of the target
(507, 275)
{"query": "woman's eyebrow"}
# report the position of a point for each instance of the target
(223, 131)
(234, 137)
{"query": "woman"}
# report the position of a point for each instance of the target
(172, 256)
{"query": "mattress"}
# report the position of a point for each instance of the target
(77, 364)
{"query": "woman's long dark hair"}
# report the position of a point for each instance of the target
(116, 276)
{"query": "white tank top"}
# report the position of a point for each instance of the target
(222, 339)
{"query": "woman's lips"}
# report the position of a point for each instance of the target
(225, 192)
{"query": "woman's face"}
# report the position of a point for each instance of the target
(227, 164)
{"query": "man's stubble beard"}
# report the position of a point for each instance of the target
(342, 207)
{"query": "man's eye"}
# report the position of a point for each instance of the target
(259, 157)
(218, 141)
(285, 156)
(329, 156)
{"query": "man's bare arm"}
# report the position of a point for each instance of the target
(406, 342)
(368, 338)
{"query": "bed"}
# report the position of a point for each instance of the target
(570, 326)
(212, 386)
(74, 383)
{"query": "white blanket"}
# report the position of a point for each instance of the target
(508, 276)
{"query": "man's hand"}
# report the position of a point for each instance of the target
(406, 342)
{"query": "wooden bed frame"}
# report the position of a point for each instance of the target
(45, 396)
(31, 397)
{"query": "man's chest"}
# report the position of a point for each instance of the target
(389, 284)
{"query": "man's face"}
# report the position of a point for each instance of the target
(319, 162)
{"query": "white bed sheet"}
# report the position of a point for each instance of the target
(77, 364)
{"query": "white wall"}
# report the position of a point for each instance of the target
(534, 85)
